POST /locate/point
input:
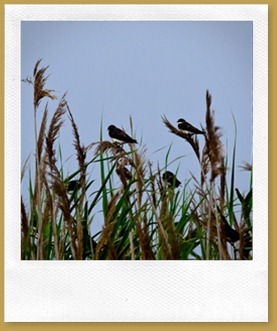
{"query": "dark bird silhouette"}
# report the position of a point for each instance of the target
(120, 136)
(186, 127)
(170, 179)
(72, 185)
(124, 172)
(231, 235)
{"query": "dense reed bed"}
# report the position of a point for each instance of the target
(145, 216)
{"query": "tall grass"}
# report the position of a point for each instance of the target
(143, 216)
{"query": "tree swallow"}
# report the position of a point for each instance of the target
(120, 136)
(170, 179)
(123, 171)
(188, 128)
(72, 185)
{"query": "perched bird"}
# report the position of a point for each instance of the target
(186, 127)
(120, 136)
(72, 185)
(123, 171)
(170, 179)
(231, 235)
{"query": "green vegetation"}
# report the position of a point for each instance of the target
(144, 218)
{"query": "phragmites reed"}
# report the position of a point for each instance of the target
(39, 82)
(111, 208)
(54, 128)
(50, 160)
(213, 148)
(81, 157)
(107, 146)
(212, 151)
(41, 136)
(105, 242)
(140, 173)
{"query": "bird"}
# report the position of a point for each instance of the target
(123, 171)
(187, 128)
(231, 235)
(170, 179)
(72, 185)
(119, 136)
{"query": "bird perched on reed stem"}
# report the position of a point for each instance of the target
(72, 185)
(187, 128)
(119, 136)
(170, 179)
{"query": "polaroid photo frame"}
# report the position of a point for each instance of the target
(136, 291)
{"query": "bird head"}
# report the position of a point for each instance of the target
(111, 127)
(181, 120)
(167, 175)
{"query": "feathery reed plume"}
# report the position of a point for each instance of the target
(140, 172)
(81, 154)
(53, 130)
(107, 146)
(41, 136)
(192, 141)
(58, 185)
(214, 146)
(39, 81)
(81, 157)
(111, 208)
(104, 241)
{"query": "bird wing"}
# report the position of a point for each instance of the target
(192, 128)
(122, 135)
(187, 126)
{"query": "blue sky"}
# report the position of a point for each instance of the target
(144, 69)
